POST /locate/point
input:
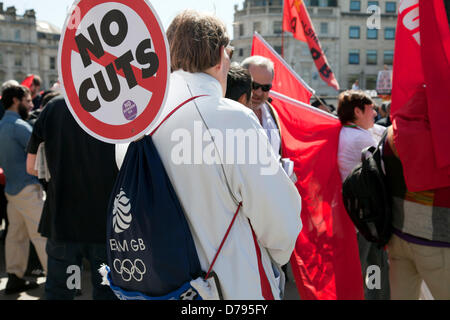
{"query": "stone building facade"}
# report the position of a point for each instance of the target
(357, 42)
(27, 46)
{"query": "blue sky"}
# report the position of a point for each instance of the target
(56, 11)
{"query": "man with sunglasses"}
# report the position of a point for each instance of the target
(262, 71)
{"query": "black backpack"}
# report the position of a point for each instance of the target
(366, 197)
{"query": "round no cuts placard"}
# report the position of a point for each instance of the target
(114, 67)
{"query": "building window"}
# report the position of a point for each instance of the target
(372, 57)
(52, 63)
(371, 82)
(353, 57)
(321, 3)
(389, 57)
(17, 35)
(391, 7)
(241, 30)
(324, 27)
(389, 34)
(355, 5)
(18, 60)
(372, 33)
(354, 32)
(276, 3)
(277, 27)
(241, 52)
(257, 27)
(372, 3)
(312, 3)
(259, 3)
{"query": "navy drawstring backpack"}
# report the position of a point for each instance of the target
(151, 254)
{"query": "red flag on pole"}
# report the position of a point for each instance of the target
(286, 80)
(297, 21)
(325, 261)
(420, 94)
(28, 81)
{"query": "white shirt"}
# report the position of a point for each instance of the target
(271, 203)
(271, 128)
(351, 143)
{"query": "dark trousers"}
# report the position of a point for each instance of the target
(371, 255)
(62, 258)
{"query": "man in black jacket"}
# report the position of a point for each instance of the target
(83, 172)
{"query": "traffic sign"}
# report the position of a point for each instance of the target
(114, 67)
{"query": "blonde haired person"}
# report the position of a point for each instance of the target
(267, 227)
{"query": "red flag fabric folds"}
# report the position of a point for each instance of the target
(325, 261)
(435, 32)
(420, 94)
(297, 21)
(291, 20)
(28, 81)
(286, 81)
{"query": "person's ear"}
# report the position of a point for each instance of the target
(358, 113)
(222, 57)
(15, 101)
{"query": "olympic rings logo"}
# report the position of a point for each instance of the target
(129, 270)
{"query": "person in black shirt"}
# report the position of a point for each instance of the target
(34, 83)
(385, 120)
(82, 174)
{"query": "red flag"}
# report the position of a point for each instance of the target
(297, 21)
(286, 80)
(436, 66)
(420, 94)
(325, 261)
(28, 81)
(291, 20)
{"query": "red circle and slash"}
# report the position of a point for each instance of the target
(157, 84)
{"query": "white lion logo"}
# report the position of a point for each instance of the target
(121, 213)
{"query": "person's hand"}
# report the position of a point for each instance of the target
(390, 139)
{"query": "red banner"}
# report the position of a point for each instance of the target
(286, 81)
(297, 21)
(325, 261)
(28, 81)
(420, 94)
(436, 66)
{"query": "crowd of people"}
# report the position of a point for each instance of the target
(63, 213)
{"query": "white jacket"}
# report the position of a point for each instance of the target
(271, 203)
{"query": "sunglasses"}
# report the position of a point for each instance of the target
(264, 87)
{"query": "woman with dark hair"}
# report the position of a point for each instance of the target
(357, 115)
